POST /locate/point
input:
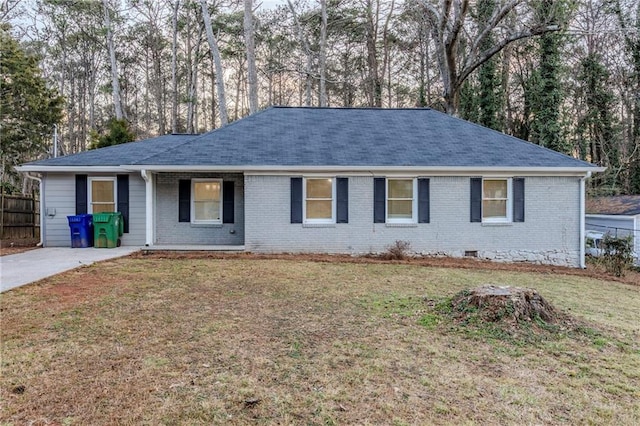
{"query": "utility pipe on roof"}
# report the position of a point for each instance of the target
(148, 179)
(40, 190)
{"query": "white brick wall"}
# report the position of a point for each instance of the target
(170, 231)
(550, 233)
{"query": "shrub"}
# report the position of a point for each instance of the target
(617, 254)
(399, 250)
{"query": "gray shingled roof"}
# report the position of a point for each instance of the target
(614, 205)
(342, 137)
(117, 155)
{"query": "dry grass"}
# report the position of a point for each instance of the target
(282, 341)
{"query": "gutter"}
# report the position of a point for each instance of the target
(583, 264)
(41, 191)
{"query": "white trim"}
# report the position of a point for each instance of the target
(192, 201)
(77, 169)
(304, 201)
(612, 216)
(414, 201)
(509, 217)
(92, 179)
(350, 170)
(582, 219)
(149, 213)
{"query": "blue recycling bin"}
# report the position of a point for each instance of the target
(81, 227)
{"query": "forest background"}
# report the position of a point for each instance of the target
(564, 74)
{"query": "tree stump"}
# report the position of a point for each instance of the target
(512, 305)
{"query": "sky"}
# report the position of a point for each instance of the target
(269, 4)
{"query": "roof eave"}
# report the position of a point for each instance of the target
(445, 170)
(288, 169)
(72, 169)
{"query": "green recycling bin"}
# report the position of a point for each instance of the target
(108, 227)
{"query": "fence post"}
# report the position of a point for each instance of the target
(2, 211)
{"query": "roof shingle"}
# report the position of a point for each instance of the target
(342, 137)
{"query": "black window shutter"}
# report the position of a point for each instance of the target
(476, 199)
(518, 199)
(296, 200)
(228, 194)
(342, 195)
(81, 194)
(423, 201)
(184, 200)
(379, 200)
(123, 200)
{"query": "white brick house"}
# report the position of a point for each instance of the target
(335, 180)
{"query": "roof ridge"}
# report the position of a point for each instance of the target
(350, 107)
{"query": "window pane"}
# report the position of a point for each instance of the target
(493, 208)
(319, 209)
(102, 208)
(319, 188)
(400, 209)
(400, 188)
(206, 191)
(206, 210)
(495, 188)
(102, 191)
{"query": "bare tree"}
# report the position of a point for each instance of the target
(217, 60)
(323, 54)
(304, 43)
(174, 68)
(459, 51)
(252, 75)
(115, 83)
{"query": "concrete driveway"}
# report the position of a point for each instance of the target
(33, 265)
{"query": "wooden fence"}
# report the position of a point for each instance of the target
(19, 217)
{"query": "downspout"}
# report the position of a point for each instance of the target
(582, 219)
(148, 179)
(41, 191)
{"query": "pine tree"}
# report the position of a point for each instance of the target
(28, 108)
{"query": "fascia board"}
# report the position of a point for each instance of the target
(610, 216)
(366, 170)
(73, 169)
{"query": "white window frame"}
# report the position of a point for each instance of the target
(509, 217)
(414, 201)
(332, 220)
(90, 192)
(193, 202)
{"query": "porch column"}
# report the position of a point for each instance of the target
(149, 213)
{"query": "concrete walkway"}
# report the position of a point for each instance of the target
(33, 265)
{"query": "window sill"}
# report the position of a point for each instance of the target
(401, 225)
(206, 225)
(497, 223)
(318, 225)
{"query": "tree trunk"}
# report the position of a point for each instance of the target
(174, 69)
(215, 53)
(117, 102)
(307, 49)
(252, 75)
(375, 84)
(323, 54)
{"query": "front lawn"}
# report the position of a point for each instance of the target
(146, 340)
